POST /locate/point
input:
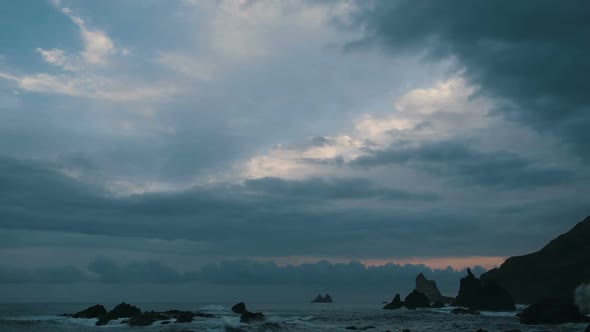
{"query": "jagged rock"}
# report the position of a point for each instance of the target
(428, 288)
(483, 295)
(91, 312)
(147, 318)
(552, 311)
(395, 304)
(249, 317)
(322, 299)
(554, 271)
(463, 311)
(122, 310)
(239, 308)
(416, 300)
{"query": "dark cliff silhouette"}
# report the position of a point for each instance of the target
(552, 272)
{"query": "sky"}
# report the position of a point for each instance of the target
(237, 148)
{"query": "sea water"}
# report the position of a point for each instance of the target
(283, 317)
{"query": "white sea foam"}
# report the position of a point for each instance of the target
(582, 298)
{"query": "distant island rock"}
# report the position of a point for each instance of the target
(552, 272)
(134, 316)
(322, 299)
(395, 304)
(480, 294)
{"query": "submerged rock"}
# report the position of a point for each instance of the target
(416, 300)
(395, 304)
(483, 295)
(94, 311)
(122, 310)
(428, 288)
(463, 311)
(249, 317)
(147, 318)
(438, 304)
(552, 311)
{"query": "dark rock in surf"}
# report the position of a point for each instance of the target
(239, 308)
(395, 304)
(463, 311)
(91, 312)
(122, 310)
(147, 318)
(552, 311)
(250, 317)
(416, 300)
(438, 304)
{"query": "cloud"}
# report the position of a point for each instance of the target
(243, 273)
(97, 45)
(463, 164)
(532, 58)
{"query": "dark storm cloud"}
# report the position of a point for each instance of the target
(310, 217)
(534, 55)
(318, 188)
(239, 272)
(465, 165)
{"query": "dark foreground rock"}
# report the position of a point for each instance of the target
(122, 310)
(428, 288)
(554, 271)
(438, 304)
(416, 299)
(483, 295)
(587, 329)
(135, 317)
(395, 304)
(239, 308)
(245, 315)
(91, 312)
(552, 311)
(322, 299)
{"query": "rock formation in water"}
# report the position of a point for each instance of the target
(239, 308)
(395, 304)
(91, 312)
(415, 300)
(122, 310)
(552, 272)
(552, 311)
(134, 315)
(322, 299)
(245, 315)
(483, 295)
(428, 288)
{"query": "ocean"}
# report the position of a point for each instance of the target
(304, 317)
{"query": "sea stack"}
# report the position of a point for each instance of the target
(483, 295)
(395, 304)
(428, 288)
